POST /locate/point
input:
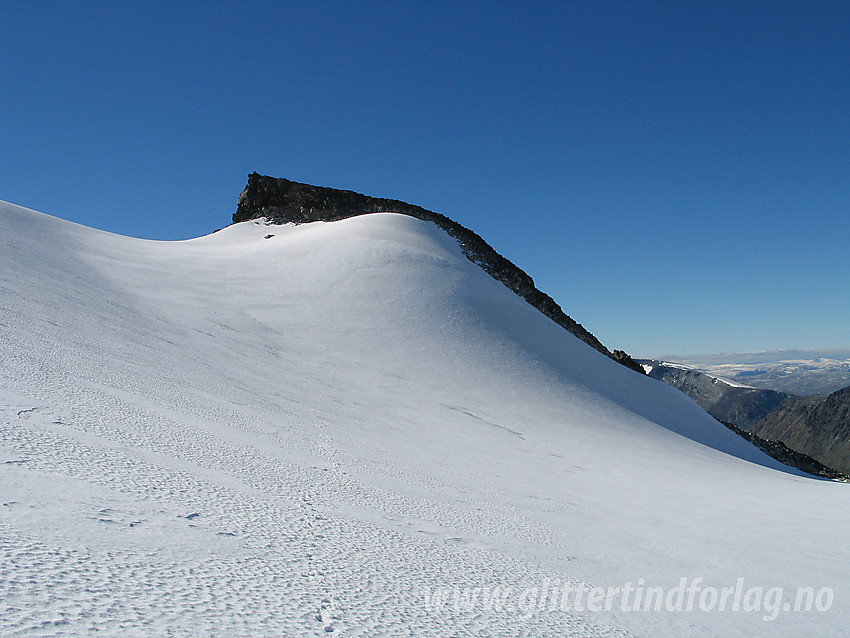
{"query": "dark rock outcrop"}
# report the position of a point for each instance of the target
(817, 425)
(283, 201)
(792, 458)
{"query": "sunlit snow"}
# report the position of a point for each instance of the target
(314, 432)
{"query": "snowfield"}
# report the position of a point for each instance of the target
(346, 428)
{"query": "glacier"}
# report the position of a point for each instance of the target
(317, 429)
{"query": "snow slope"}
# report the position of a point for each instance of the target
(317, 431)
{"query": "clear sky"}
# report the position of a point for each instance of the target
(675, 174)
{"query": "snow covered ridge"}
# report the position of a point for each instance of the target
(299, 430)
(282, 201)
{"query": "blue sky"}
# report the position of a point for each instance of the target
(675, 174)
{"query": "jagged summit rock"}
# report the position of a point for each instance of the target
(283, 201)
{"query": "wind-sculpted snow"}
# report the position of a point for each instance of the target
(282, 201)
(313, 429)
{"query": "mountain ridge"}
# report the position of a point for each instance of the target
(283, 201)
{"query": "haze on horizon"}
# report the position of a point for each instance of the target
(674, 176)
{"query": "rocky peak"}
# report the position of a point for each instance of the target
(283, 201)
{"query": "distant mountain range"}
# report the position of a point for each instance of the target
(799, 372)
(816, 426)
(725, 400)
